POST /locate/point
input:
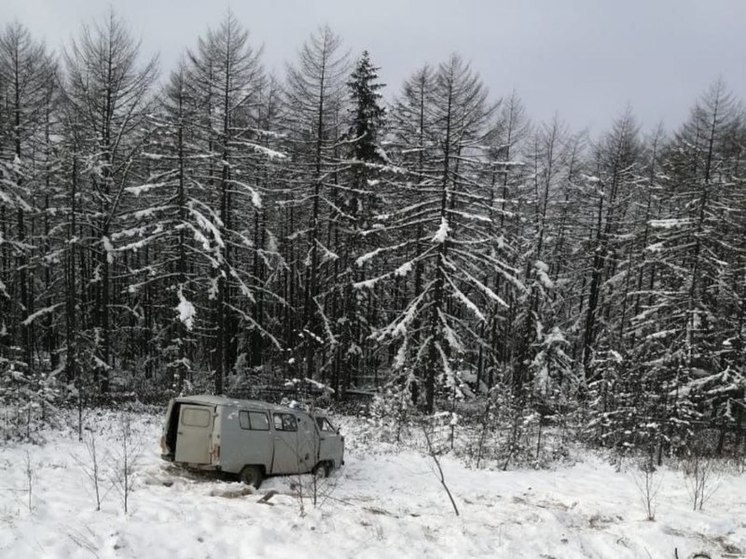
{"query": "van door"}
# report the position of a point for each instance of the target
(331, 443)
(193, 436)
(287, 444)
(308, 443)
(247, 442)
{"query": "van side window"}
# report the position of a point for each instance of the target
(285, 422)
(259, 421)
(254, 420)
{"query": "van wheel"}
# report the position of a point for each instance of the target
(322, 469)
(251, 475)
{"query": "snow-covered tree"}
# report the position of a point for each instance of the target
(693, 314)
(359, 201)
(108, 93)
(441, 221)
(315, 93)
(229, 78)
(28, 308)
(541, 359)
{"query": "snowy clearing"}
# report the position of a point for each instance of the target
(386, 502)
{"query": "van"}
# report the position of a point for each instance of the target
(249, 438)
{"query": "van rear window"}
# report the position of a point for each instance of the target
(253, 420)
(192, 417)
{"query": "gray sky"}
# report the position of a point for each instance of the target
(584, 59)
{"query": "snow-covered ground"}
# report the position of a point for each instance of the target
(384, 503)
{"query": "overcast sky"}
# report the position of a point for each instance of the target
(586, 60)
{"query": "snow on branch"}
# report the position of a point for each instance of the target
(442, 234)
(542, 269)
(362, 260)
(245, 290)
(207, 225)
(262, 150)
(450, 334)
(186, 310)
(253, 324)
(400, 325)
(447, 371)
(256, 200)
(327, 255)
(470, 216)
(465, 300)
(486, 290)
(327, 326)
(38, 314)
(11, 199)
(143, 188)
(109, 248)
(670, 223)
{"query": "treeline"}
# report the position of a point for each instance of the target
(217, 227)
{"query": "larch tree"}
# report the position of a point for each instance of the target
(541, 361)
(315, 94)
(698, 249)
(616, 166)
(506, 175)
(27, 90)
(109, 93)
(227, 73)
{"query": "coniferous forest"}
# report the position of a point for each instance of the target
(215, 228)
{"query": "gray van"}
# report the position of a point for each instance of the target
(249, 438)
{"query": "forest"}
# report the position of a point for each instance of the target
(216, 228)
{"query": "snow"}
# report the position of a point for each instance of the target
(542, 274)
(207, 225)
(149, 213)
(366, 257)
(404, 269)
(466, 301)
(144, 188)
(655, 247)
(442, 234)
(263, 150)
(400, 326)
(669, 223)
(401, 355)
(109, 248)
(186, 311)
(366, 284)
(256, 200)
(30, 318)
(385, 502)
(100, 363)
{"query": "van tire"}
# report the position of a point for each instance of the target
(251, 475)
(322, 469)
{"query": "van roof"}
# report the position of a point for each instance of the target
(233, 402)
